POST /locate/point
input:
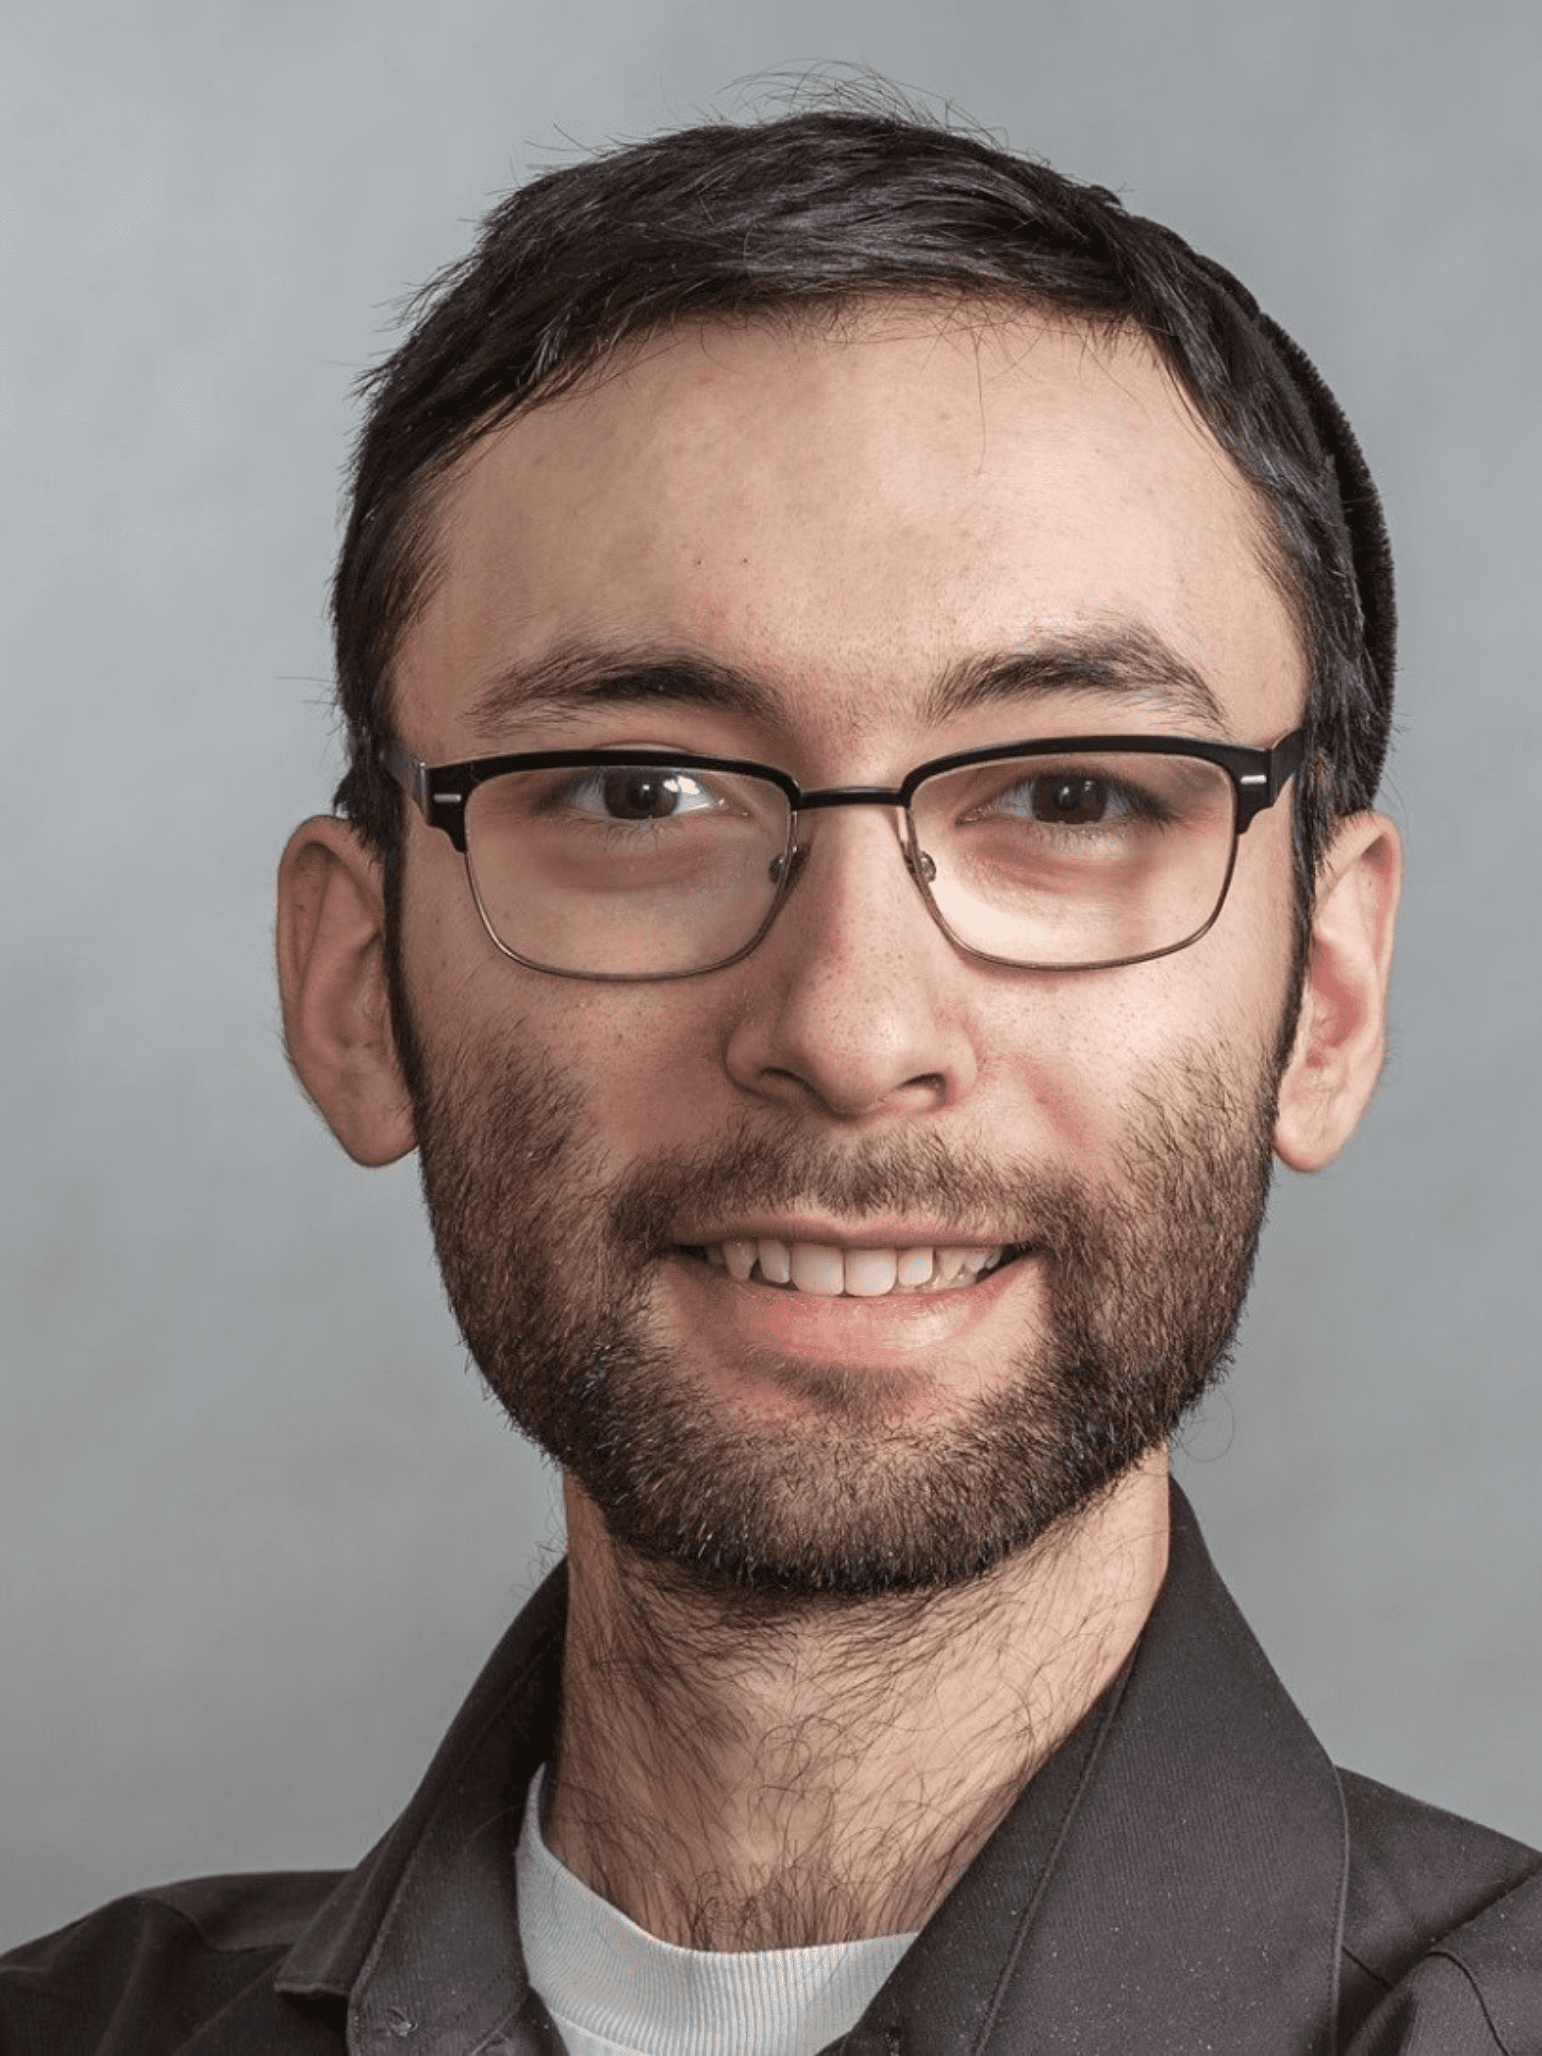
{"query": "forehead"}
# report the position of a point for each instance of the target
(846, 513)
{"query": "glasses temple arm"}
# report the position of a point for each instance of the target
(409, 774)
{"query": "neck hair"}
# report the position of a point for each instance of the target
(758, 1770)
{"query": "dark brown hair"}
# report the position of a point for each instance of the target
(814, 210)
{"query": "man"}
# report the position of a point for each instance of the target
(866, 671)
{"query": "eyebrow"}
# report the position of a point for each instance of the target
(1117, 661)
(1121, 660)
(577, 676)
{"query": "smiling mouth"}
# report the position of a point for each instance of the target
(832, 1272)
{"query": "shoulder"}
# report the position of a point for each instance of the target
(1442, 1928)
(145, 1973)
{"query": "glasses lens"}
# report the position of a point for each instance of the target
(626, 870)
(1088, 858)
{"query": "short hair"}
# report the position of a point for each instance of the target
(816, 210)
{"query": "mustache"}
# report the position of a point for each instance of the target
(919, 1175)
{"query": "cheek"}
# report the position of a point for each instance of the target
(649, 1068)
(638, 1078)
(1095, 1056)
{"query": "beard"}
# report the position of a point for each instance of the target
(548, 1262)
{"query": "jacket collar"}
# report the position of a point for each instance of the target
(1172, 1878)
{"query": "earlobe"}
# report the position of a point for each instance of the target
(332, 983)
(1341, 1034)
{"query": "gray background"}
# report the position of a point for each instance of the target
(259, 1526)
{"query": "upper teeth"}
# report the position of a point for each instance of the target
(824, 1268)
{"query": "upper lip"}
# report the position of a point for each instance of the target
(867, 1234)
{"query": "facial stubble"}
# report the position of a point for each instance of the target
(549, 1265)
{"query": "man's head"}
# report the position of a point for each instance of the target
(893, 517)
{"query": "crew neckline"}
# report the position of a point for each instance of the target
(616, 1990)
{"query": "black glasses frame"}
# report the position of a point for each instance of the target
(441, 793)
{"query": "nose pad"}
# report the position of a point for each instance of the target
(787, 864)
(919, 865)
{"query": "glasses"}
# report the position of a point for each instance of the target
(1082, 853)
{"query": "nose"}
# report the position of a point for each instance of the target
(855, 1003)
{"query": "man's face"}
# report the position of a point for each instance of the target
(834, 527)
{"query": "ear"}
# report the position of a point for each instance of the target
(1341, 1034)
(332, 983)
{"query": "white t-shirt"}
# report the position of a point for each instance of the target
(615, 1990)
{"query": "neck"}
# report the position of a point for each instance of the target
(739, 1774)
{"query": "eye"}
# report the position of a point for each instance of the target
(1071, 801)
(639, 792)
(1066, 799)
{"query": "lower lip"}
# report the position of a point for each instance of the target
(897, 1329)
